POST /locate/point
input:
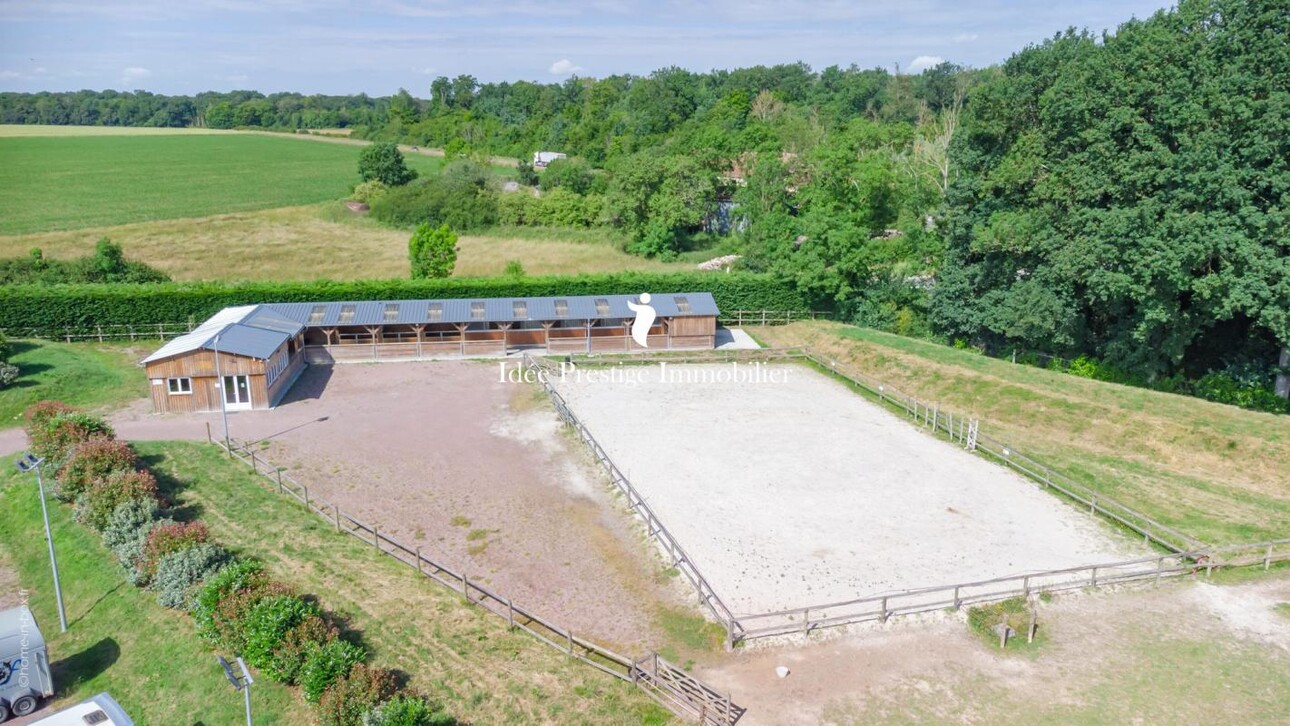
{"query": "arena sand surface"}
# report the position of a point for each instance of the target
(798, 492)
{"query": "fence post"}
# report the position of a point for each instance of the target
(1030, 631)
(568, 635)
(336, 512)
(376, 537)
(510, 615)
(254, 467)
(280, 488)
(1093, 577)
(465, 585)
(306, 491)
(209, 440)
(883, 617)
(958, 604)
(420, 571)
(1267, 558)
(1025, 585)
(1092, 506)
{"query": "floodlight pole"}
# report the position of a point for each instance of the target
(246, 689)
(34, 463)
(223, 395)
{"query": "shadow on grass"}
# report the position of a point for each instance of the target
(68, 673)
(170, 488)
(95, 604)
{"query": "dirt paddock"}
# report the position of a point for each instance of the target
(795, 492)
(476, 472)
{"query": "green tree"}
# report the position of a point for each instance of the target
(383, 162)
(432, 251)
(574, 175)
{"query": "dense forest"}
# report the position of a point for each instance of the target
(1117, 199)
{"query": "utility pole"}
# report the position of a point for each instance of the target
(29, 462)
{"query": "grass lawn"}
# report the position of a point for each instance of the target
(1215, 472)
(327, 240)
(73, 182)
(94, 376)
(119, 639)
(457, 654)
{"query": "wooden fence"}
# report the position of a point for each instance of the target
(770, 317)
(676, 556)
(668, 684)
(882, 606)
(101, 333)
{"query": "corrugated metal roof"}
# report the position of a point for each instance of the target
(495, 310)
(254, 331)
(197, 339)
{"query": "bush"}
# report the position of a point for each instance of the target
(4, 347)
(360, 691)
(53, 310)
(97, 503)
(267, 623)
(461, 204)
(287, 659)
(571, 175)
(92, 461)
(8, 374)
(242, 575)
(164, 539)
(408, 709)
(517, 209)
(126, 533)
(369, 191)
(1235, 390)
(179, 571)
(54, 429)
(383, 162)
(326, 664)
(432, 251)
(514, 268)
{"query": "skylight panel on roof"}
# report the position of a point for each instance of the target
(316, 315)
(682, 304)
(519, 309)
(434, 313)
(477, 310)
(391, 312)
(561, 308)
(602, 306)
(347, 313)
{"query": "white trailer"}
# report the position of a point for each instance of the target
(24, 664)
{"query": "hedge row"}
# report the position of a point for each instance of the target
(286, 636)
(53, 309)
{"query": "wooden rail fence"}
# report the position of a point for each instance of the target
(770, 317)
(677, 558)
(669, 685)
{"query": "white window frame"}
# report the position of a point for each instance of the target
(182, 381)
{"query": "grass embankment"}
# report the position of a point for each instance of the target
(119, 639)
(1215, 472)
(327, 240)
(93, 376)
(458, 655)
(73, 182)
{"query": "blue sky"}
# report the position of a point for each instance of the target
(378, 46)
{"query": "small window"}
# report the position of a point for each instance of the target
(316, 315)
(477, 310)
(391, 312)
(519, 309)
(434, 313)
(602, 306)
(347, 313)
(682, 304)
(180, 386)
(561, 308)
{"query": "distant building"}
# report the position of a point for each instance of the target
(542, 158)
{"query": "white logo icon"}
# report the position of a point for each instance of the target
(645, 316)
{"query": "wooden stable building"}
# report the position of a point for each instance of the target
(262, 349)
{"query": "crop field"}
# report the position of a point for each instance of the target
(74, 181)
(325, 240)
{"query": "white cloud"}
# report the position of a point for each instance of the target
(565, 67)
(923, 62)
(131, 76)
(8, 74)
(965, 37)
(426, 71)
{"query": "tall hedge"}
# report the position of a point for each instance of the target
(53, 309)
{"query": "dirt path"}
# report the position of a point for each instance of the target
(1184, 653)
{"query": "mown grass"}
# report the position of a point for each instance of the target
(457, 654)
(119, 639)
(1215, 472)
(75, 181)
(1014, 613)
(31, 130)
(93, 376)
(327, 240)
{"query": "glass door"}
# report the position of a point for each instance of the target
(237, 392)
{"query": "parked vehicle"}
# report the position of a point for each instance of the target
(24, 664)
(101, 710)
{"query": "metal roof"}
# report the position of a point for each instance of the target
(494, 310)
(253, 331)
(18, 624)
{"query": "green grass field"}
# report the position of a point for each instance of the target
(93, 376)
(1215, 472)
(73, 182)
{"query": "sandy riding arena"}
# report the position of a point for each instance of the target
(796, 491)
